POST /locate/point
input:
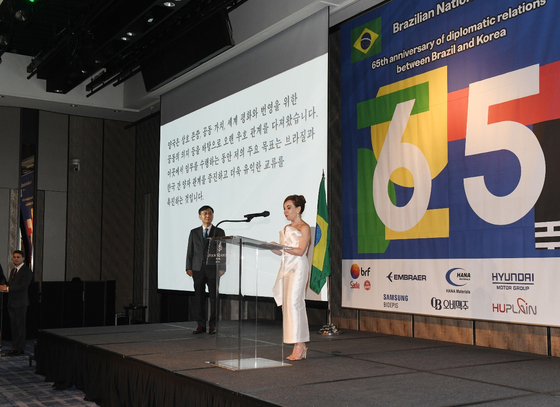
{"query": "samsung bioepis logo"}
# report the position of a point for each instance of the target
(457, 278)
(406, 277)
(392, 300)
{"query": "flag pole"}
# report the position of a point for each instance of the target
(329, 329)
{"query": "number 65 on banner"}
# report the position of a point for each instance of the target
(410, 150)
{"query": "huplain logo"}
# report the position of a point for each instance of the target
(521, 307)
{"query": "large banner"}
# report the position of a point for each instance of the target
(451, 183)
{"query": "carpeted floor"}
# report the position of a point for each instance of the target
(21, 386)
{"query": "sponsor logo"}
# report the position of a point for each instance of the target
(513, 281)
(395, 297)
(367, 285)
(406, 277)
(439, 304)
(521, 307)
(354, 285)
(457, 278)
(355, 271)
(392, 300)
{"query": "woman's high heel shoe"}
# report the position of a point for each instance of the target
(303, 354)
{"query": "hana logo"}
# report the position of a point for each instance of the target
(457, 277)
(366, 40)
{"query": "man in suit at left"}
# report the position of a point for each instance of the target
(202, 273)
(18, 300)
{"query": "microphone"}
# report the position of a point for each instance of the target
(250, 216)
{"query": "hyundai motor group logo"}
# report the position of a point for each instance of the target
(513, 281)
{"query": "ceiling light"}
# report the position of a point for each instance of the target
(130, 34)
(125, 38)
(22, 15)
(169, 4)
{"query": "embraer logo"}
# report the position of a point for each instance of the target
(406, 277)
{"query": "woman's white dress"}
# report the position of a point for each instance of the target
(289, 289)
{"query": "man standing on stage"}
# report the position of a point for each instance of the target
(202, 273)
(18, 300)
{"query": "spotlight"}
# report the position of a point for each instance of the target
(22, 15)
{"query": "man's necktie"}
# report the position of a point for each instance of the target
(14, 272)
(205, 234)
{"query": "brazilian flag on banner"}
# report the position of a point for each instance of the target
(321, 253)
(366, 40)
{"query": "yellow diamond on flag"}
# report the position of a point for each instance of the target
(365, 41)
(321, 245)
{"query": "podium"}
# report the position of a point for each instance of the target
(240, 344)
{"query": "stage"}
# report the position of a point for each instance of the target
(166, 365)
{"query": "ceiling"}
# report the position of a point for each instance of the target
(105, 41)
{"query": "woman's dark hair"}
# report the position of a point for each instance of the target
(298, 200)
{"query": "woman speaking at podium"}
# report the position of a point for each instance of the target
(291, 283)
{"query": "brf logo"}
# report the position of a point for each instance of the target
(356, 271)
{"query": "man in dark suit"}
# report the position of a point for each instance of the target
(202, 273)
(18, 300)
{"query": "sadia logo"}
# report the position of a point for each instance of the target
(366, 40)
(367, 285)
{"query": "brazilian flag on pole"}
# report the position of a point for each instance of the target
(321, 253)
